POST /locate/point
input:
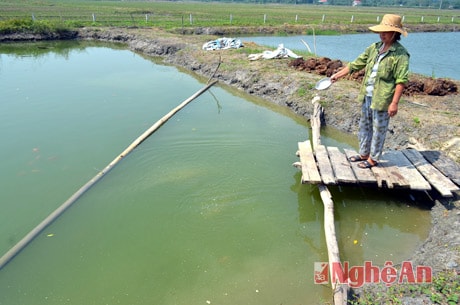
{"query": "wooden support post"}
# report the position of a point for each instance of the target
(315, 120)
(340, 291)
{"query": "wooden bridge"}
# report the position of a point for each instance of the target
(408, 168)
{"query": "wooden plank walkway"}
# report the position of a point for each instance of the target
(406, 169)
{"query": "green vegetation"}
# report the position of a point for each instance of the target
(249, 50)
(29, 26)
(169, 15)
(444, 289)
(301, 92)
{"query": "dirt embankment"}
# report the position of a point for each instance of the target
(424, 120)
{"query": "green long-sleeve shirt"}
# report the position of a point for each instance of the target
(393, 69)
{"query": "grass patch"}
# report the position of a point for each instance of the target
(444, 289)
(249, 50)
(312, 32)
(301, 92)
(170, 15)
(33, 27)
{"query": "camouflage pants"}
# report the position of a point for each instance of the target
(373, 127)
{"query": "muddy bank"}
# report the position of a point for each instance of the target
(292, 29)
(424, 120)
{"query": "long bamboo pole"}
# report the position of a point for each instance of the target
(340, 291)
(8, 256)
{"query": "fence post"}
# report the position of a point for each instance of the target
(231, 18)
(33, 17)
(421, 19)
(378, 19)
(265, 18)
(352, 18)
(191, 19)
(94, 17)
(296, 18)
(403, 19)
(324, 18)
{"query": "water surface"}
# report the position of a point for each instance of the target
(207, 210)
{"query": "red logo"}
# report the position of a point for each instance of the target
(321, 273)
(357, 276)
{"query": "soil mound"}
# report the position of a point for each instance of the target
(417, 85)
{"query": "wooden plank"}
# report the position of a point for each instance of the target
(390, 163)
(402, 173)
(341, 166)
(444, 164)
(440, 182)
(364, 175)
(310, 173)
(394, 162)
(393, 171)
(324, 165)
(381, 175)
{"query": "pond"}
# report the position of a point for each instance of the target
(208, 210)
(431, 54)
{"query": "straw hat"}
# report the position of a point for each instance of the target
(390, 23)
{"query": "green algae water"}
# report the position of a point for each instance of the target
(208, 210)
